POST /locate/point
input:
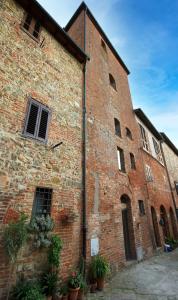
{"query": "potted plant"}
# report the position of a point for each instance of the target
(74, 285)
(100, 268)
(64, 292)
(49, 284)
(82, 290)
(26, 289)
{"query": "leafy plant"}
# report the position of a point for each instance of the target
(54, 251)
(64, 290)
(15, 236)
(74, 280)
(171, 241)
(49, 283)
(41, 227)
(99, 267)
(27, 290)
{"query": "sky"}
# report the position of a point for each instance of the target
(145, 34)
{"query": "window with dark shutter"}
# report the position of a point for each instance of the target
(37, 120)
(132, 161)
(141, 207)
(42, 202)
(31, 26)
(117, 127)
(121, 160)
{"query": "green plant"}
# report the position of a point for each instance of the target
(171, 241)
(49, 283)
(64, 289)
(99, 267)
(54, 251)
(41, 227)
(15, 236)
(27, 290)
(74, 280)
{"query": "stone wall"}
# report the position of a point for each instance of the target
(48, 73)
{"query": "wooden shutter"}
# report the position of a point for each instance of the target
(43, 124)
(32, 118)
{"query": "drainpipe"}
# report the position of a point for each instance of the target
(84, 136)
(169, 180)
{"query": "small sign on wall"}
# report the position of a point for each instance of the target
(94, 246)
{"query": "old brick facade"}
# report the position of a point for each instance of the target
(122, 204)
(50, 74)
(160, 199)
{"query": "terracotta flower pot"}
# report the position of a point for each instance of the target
(93, 287)
(80, 295)
(100, 284)
(73, 293)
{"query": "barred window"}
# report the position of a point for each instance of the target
(37, 120)
(42, 202)
(121, 160)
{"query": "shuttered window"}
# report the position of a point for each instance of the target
(31, 26)
(37, 120)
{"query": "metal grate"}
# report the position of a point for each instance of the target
(42, 202)
(32, 26)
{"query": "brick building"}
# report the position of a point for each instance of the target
(115, 185)
(171, 158)
(159, 197)
(69, 136)
(41, 71)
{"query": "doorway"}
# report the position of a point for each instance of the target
(155, 227)
(128, 230)
(165, 224)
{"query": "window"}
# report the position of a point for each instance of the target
(42, 202)
(148, 173)
(128, 133)
(103, 45)
(37, 119)
(157, 150)
(132, 161)
(176, 186)
(112, 81)
(121, 161)
(117, 127)
(141, 207)
(144, 138)
(32, 26)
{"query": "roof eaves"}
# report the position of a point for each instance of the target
(141, 115)
(83, 6)
(54, 28)
(169, 143)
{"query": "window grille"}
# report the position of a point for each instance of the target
(42, 202)
(32, 26)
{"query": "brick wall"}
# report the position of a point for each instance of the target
(53, 77)
(105, 183)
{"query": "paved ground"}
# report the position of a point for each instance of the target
(153, 279)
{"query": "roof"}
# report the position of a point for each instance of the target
(83, 6)
(36, 10)
(169, 143)
(140, 114)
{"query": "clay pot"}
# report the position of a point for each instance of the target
(93, 287)
(100, 284)
(64, 297)
(80, 295)
(73, 293)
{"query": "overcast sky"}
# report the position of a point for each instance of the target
(145, 34)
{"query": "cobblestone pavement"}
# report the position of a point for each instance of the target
(153, 279)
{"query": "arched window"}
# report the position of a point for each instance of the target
(132, 161)
(112, 81)
(128, 133)
(117, 127)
